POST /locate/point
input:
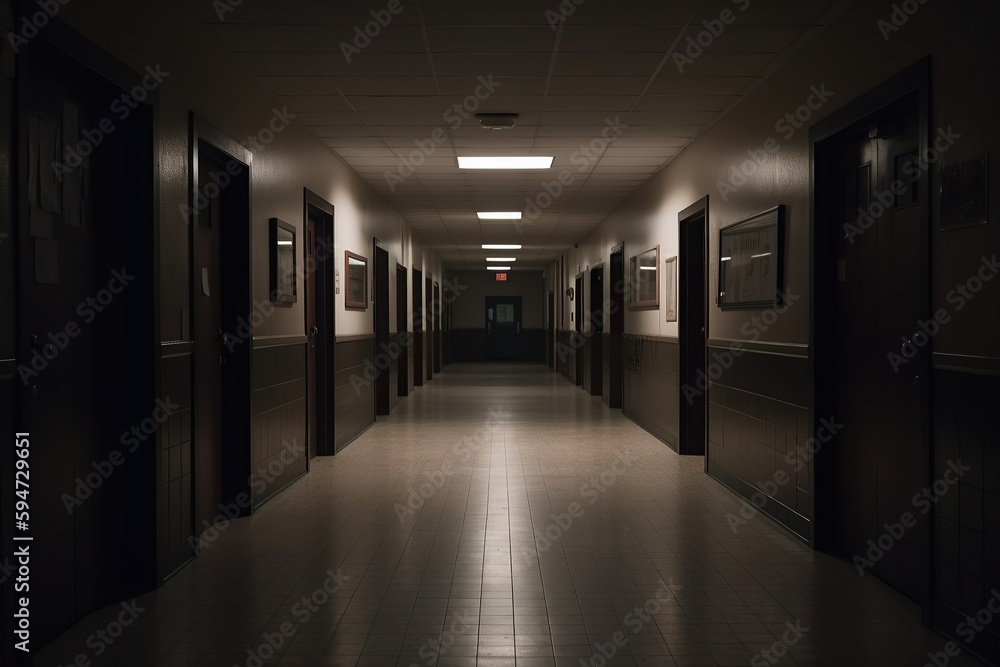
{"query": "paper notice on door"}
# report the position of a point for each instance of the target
(49, 144)
(204, 282)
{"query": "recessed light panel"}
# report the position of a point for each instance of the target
(505, 162)
(499, 215)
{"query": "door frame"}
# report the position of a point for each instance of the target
(616, 330)
(403, 329)
(313, 203)
(687, 375)
(436, 314)
(417, 299)
(597, 337)
(237, 383)
(550, 355)
(914, 81)
(380, 281)
(579, 288)
(429, 353)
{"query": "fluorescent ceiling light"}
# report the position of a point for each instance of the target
(284, 243)
(499, 215)
(500, 246)
(647, 268)
(498, 268)
(505, 162)
(501, 259)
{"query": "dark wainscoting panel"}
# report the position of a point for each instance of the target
(650, 396)
(354, 395)
(533, 345)
(279, 416)
(759, 413)
(469, 345)
(967, 521)
(173, 489)
(587, 375)
(566, 354)
(446, 348)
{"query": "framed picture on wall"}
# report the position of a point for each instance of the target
(670, 293)
(644, 279)
(281, 250)
(356, 271)
(751, 260)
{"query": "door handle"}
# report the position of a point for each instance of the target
(223, 338)
(314, 330)
(47, 350)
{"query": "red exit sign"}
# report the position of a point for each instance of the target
(501, 277)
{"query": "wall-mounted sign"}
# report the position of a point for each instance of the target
(751, 260)
(501, 277)
(356, 269)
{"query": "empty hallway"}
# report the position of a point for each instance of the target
(542, 524)
(572, 332)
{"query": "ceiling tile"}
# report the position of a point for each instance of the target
(376, 105)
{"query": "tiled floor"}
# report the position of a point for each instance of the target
(542, 524)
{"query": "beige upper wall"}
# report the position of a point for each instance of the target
(849, 58)
(205, 78)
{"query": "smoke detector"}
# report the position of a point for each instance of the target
(497, 121)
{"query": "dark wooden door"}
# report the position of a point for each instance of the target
(550, 344)
(578, 351)
(404, 331)
(437, 328)
(52, 398)
(313, 303)
(319, 286)
(597, 315)
(381, 276)
(693, 295)
(503, 328)
(209, 344)
(881, 287)
(429, 327)
(221, 307)
(613, 380)
(85, 363)
(320, 326)
(418, 328)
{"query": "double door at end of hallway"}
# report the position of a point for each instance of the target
(503, 328)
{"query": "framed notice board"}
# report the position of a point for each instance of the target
(751, 260)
